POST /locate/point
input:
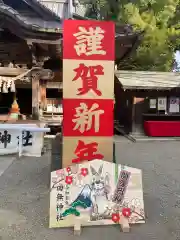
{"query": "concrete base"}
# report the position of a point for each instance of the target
(5, 162)
(139, 137)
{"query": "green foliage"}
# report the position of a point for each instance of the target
(159, 20)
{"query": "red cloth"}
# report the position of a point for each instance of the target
(162, 128)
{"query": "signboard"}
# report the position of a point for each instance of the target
(152, 103)
(32, 142)
(88, 90)
(174, 105)
(96, 193)
(162, 104)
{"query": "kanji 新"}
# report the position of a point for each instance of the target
(87, 118)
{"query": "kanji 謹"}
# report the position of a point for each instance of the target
(86, 152)
(89, 41)
(88, 75)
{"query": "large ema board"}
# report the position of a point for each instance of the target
(96, 193)
(93, 191)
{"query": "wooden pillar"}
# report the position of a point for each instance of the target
(43, 100)
(129, 114)
(35, 97)
(138, 115)
(134, 115)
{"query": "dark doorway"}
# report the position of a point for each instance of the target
(54, 93)
(6, 100)
(123, 108)
(24, 99)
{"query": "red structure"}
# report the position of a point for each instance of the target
(88, 73)
(162, 128)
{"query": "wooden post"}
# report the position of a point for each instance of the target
(114, 152)
(133, 130)
(77, 227)
(43, 99)
(124, 223)
(35, 97)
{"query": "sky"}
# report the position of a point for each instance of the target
(177, 57)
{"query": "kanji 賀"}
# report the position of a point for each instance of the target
(84, 117)
(88, 75)
(86, 152)
(89, 41)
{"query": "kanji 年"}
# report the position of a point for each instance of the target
(86, 152)
(88, 75)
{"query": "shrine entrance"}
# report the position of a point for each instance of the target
(24, 99)
(122, 110)
(6, 100)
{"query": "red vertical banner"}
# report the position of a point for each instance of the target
(88, 40)
(88, 90)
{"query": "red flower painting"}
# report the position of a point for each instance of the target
(126, 212)
(69, 179)
(84, 172)
(68, 169)
(115, 217)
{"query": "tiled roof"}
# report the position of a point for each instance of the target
(25, 19)
(148, 80)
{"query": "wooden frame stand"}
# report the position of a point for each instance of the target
(124, 223)
(77, 228)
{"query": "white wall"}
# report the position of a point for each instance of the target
(60, 7)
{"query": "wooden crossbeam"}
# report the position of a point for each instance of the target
(7, 71)
(19, 73)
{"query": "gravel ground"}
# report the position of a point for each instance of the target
(24, 196)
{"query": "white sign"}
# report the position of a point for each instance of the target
(53, 108)
(32, 142)
(162, 103)
(152, 103)
(49, 108)
(174, 105)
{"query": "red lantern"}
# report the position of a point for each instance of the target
(69, 179)
(115, 217)
(84, 172)
(68, 169)
(126, 212)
